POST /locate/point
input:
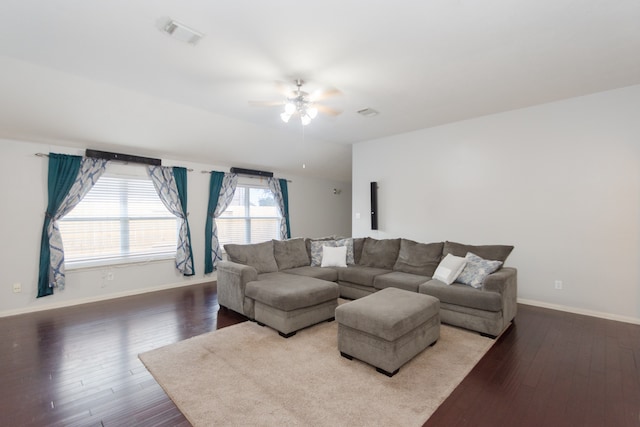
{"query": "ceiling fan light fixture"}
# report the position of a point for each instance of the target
(285, 117)
(305, 119)
(300, 104)
(289, 108)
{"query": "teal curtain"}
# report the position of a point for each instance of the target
(215, 184)
(222, 186)
(180, 177)
(68, 184)
(63, 170)
(285, 199)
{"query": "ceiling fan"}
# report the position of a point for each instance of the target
(300, 103)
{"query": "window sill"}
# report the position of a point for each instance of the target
(117, 262)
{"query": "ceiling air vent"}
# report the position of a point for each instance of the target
(368, 112)
(182, 32)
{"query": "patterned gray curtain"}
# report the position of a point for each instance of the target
(165, 185)
(274, 186)
(90, 171)
(227, 190)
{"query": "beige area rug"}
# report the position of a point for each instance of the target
(247, 375)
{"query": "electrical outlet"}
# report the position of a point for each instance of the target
(17, 288)
(558, 284)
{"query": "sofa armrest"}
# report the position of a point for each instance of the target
(232, 281)
(501, 280)
(505, 281)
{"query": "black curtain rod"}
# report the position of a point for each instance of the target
(97, 154)
(247, 176)
(46, 155)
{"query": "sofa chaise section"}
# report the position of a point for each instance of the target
(288, 303)
(273, 284)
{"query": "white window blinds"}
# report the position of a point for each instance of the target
(252, 217)
(120, 220)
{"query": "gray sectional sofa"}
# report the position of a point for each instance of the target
(374, 264)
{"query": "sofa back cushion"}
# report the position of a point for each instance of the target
(290, 253)
(358, 243)
(418, 258)
(380, 253)
(488, 252)
(257, 255)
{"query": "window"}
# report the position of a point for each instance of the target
(121, 219)
(252, 217)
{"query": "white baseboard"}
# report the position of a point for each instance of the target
(79, 301)
(105, 297)
(575, 310)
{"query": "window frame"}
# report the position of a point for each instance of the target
(248, 184)
(132, 172)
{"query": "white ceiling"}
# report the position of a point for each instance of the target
(100, 74)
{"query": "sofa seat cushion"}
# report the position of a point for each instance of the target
(289, 292)
(322, 273)
(270, 276)
(462, 295)
(388, 314)
(400, 280)
(360, 275)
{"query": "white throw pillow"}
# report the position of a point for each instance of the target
(334, 256)
(449, 269)
(316, 250)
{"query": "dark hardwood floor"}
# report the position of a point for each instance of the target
(552, 368)
(80, 366)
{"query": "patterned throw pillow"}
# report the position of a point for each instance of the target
(317, 245)
(316, 251)
(348, 242)
(476, 270)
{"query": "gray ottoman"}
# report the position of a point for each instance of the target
(288, 303)
(388, 328)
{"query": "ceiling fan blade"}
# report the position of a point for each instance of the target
(266, 103)
(327, 110)
(324, 94)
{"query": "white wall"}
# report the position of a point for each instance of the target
(314, 211)
(560, 181)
